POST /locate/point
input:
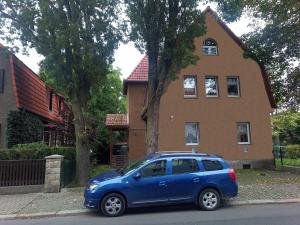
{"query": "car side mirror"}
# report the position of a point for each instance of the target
(137, 176)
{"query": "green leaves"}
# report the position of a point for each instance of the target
(276, 45)
(286, 125)
(77, 38)
(23, 127)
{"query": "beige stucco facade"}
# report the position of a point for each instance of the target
(217, 116)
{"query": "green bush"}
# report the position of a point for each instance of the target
(36, 150)
(292, 151)
(23, 127)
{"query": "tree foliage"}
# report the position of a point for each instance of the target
(276, 44)
(165, 30)
(286, 125)
(106, 98)
(77, 39)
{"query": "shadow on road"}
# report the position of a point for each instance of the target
(160, 209)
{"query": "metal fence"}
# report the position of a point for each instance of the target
(68, 172)
(287, 155)
(22, 172)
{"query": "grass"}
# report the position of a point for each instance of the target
(262, 176)
(288, 162)
(96, 169)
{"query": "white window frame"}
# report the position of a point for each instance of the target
(210, 50)
(196, 92)
(238, 86)
(198, 134)
(248, 133)
(217, 86)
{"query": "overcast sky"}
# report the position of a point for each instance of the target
(127, 56)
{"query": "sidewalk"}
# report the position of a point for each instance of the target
(255, 187)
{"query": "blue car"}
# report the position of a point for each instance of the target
(163, 178)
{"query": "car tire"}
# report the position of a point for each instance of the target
(112, 205)
(209, 199)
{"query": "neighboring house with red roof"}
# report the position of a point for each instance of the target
(21, 88)
(221, 105)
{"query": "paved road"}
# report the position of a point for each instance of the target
(280, 214)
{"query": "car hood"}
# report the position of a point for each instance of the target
(105, 176)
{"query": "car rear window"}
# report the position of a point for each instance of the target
(211, 165)
(184, 166)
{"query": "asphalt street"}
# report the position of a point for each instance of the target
(270, 214)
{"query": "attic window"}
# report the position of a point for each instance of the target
(210, 47)
(60, 105)
(50, 101)
(2, 75)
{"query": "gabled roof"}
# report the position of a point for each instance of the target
(31, 92)
(140, 73)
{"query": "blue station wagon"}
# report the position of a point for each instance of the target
(163, 178)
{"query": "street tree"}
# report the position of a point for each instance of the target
(165, 30)
(77, 39)
(275, 41)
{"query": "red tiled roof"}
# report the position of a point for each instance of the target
(31, 93)
(117, 120)
(140, 73)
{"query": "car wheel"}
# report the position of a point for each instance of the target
(113, 205)
(209, 199)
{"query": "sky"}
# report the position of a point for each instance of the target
(127, 56)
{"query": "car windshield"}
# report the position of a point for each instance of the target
(133, 166)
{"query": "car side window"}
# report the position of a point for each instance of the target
(184, 166)
(211, 165)
(157, 168)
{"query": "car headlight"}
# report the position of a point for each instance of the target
(93, 187)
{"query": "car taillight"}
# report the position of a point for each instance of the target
(232, 175)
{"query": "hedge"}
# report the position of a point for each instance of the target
(36, 151)
(23, 127)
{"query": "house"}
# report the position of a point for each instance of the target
(21, 88)
(221, 105)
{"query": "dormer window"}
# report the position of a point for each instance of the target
(2, 75)
(50, 100)
(210, 47)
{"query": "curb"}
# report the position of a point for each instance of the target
(44, 214)
(263, 201)
(86, 211)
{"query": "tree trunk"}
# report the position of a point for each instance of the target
(82, 145)
(152, 126)
(153, 102)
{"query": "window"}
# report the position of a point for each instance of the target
(157, 168)
(211, 165)
(191, 134)
(233, 86)
(50, 100)
(60, 110)
(211, 86)
(184, 166)
(2, 75)
(210, 47)
(190, 86)
(243, 133)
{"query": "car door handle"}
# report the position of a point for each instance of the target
(196, 180)
(162, 184)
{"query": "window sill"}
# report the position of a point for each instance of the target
(233, 96)
(212, 96)
(244, 143)
(190, 96)
(191, 144)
